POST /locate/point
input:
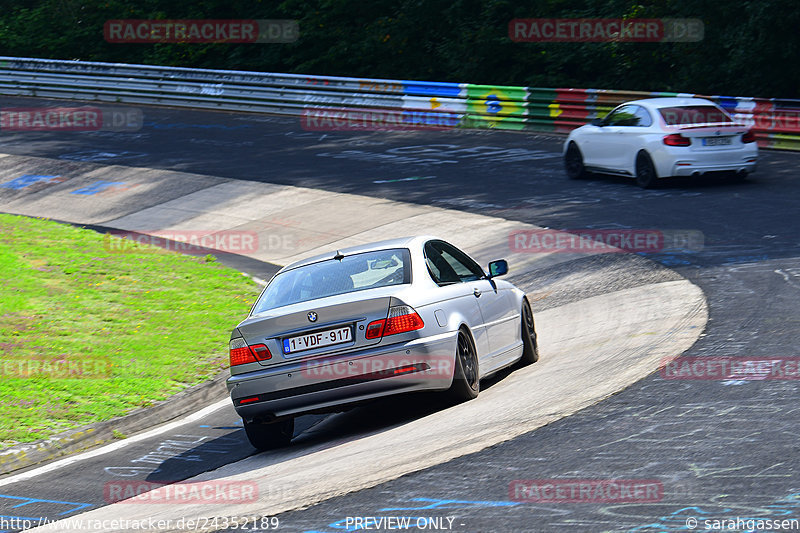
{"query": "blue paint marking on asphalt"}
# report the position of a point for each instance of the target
(410, 178)
(437, 503)
(76, 506)
(666, 260)
(26, 180)
(98, 186)
(746, 258)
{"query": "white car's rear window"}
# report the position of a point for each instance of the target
(693, 115)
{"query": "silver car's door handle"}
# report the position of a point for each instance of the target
(477, 293)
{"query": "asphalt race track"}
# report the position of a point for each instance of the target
(721, 449)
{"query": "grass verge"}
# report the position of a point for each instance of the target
(88, 333)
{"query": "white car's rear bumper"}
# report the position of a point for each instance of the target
(692, 168)
(680, 161)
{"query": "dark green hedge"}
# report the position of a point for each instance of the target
(750, 47)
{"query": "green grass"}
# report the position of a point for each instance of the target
(88, 333)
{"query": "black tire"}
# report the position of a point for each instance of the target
(269, 436)
(646, 176)
(573, 163)
(737, 177)
(466, 384)
(530, 348)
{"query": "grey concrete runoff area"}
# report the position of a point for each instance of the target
(591, 347)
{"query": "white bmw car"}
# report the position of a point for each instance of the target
(659, 138)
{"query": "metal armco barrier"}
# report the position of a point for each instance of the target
(319, 98)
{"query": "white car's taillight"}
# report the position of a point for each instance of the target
(676, 139)
(749, 137)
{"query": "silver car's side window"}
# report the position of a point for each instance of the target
(439, 269)
(447, 264)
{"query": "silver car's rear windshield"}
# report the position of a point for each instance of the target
(352, 273)
(693, 114)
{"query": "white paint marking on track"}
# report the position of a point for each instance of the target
(24, 476)
(787, 278)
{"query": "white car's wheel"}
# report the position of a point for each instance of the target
(646, 176)
(573, 161)
(737, 177)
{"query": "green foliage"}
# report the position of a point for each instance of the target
(750, 47)
(90, 330)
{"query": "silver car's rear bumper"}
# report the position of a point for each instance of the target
(303, 386)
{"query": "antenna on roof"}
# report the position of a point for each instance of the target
(338, 256)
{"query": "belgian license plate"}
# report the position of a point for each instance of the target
(716, 141)
(318, 339)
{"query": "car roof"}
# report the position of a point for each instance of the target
(401, 242)
(657, 103)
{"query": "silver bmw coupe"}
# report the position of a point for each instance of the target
(397, 316)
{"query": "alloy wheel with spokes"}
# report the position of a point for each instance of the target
(530, 347)
(573, 162)
(466, 383)
(645, 171)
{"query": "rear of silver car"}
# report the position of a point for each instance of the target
(349, 366)
(333, 332)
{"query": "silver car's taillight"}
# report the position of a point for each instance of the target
(401, 318)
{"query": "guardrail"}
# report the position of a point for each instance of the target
(405, 103)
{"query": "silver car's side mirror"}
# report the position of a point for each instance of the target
(498, 268)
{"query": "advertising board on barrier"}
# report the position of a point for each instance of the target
(775, 121)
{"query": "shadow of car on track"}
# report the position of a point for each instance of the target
(381, 415)
(313, 433)
(671, 183)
